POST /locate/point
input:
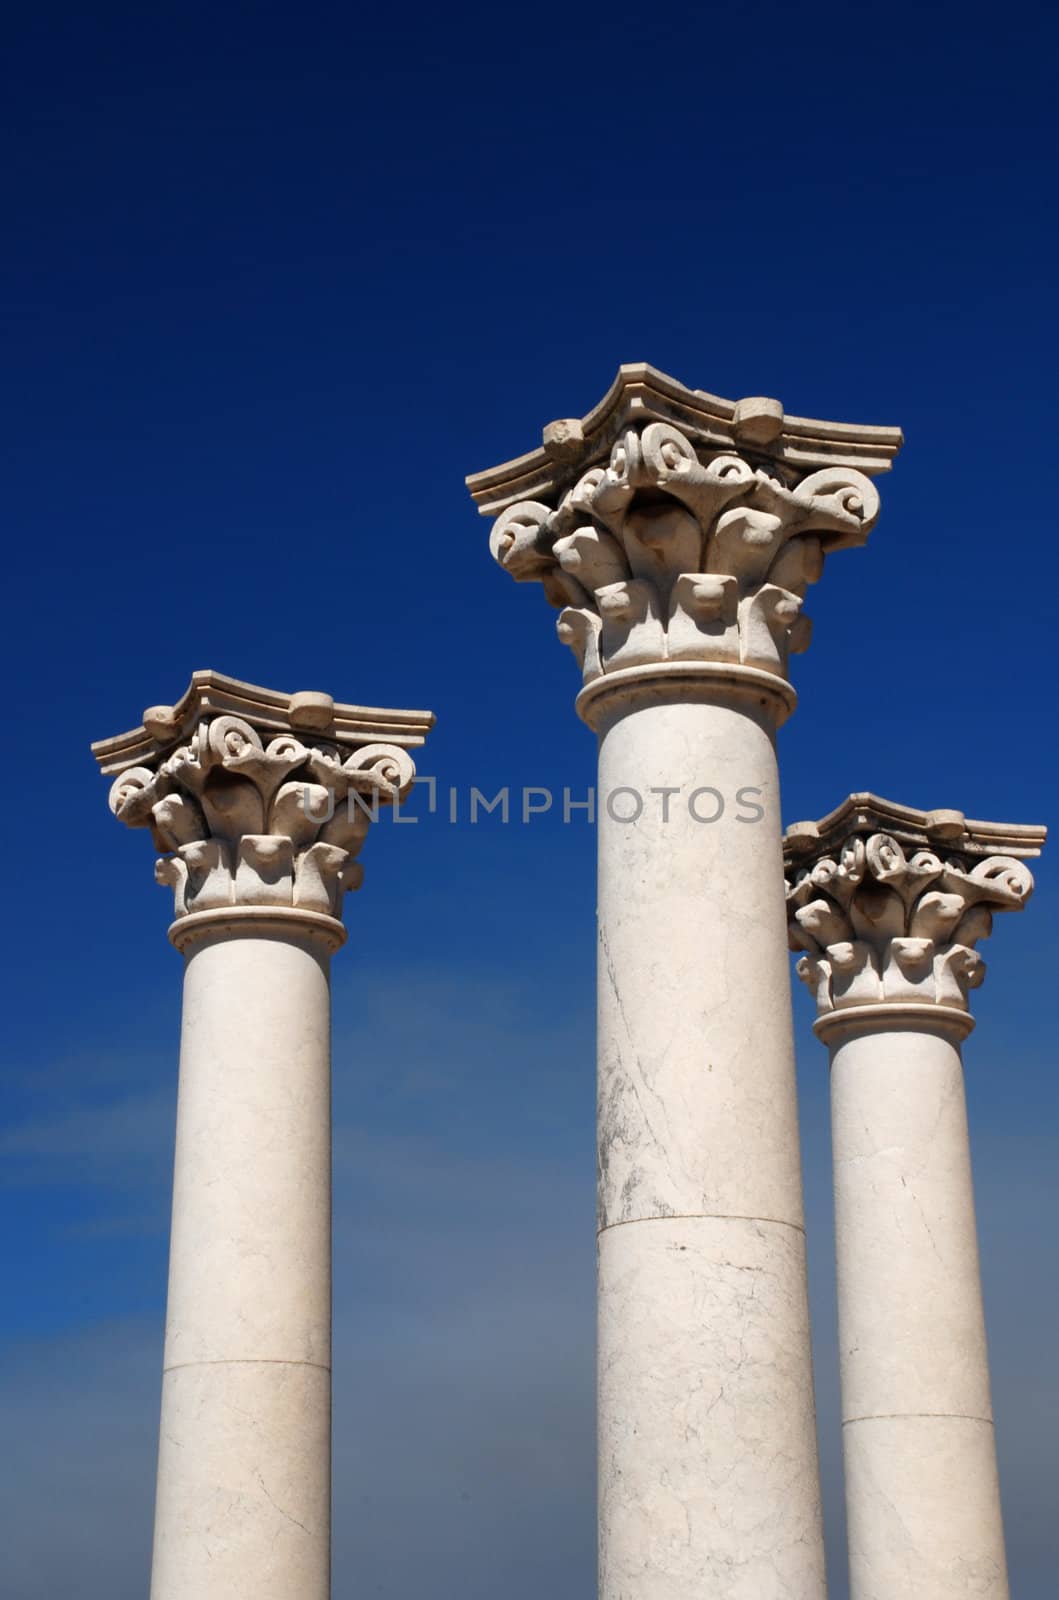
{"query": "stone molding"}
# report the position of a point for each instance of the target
(681, 545)
(268, 710)
(267, 809)
(716, 682)
(888, 904)
(199, 927)
(641, 394)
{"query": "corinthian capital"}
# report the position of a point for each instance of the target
(672, 526)
(257, 798)
(888, 904)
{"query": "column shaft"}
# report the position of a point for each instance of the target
(707, 1445)
(243, 1506)
(921, 1478)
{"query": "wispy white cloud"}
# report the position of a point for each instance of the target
(102, 1143)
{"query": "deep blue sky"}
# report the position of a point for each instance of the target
(275, 279)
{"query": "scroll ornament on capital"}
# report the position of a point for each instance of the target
(245, 823)
(880, 925)
(666, 554)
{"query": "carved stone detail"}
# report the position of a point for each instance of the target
(672, 552)
(251, 817)
(884, 920)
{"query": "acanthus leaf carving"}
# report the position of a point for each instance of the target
(632, 631)
(875, 922)
(703, 618)
(245, 823)
(177, 819)
(633, 541)
(593, 557)
(581, 630)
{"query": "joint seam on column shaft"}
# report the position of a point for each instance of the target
(247, 1361)
(700, 1216)
(904, 1416)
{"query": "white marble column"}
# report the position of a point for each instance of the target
(889, 903)
(260, 802)
(678, 534)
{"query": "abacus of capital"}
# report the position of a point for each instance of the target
(260, 803)
(889, 903)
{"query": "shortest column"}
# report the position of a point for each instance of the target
(888, 903)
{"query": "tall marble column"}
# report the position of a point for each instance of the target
(677, 533)
(889, 904)
(259, 802)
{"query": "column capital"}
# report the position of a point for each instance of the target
(888, 904)
(671, 527)
(259, 801)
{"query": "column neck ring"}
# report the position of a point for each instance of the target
(719, 682)
(250, 921)
(886, 1016)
